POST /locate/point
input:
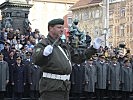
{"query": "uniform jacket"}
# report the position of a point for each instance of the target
(55, 63)
(114, 76)
(101, 69)
(77, 78)
(127, 78)
(4, 75)
(18, 77)
(35, 75)
(90, 78)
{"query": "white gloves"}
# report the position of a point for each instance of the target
(47, 50)
(97, 43)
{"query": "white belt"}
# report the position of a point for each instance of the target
(56, 76)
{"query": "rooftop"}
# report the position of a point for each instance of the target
(84, 3)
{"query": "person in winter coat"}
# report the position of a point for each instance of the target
(102, 71)
(90, 78)
(127, 79)
(35, 75)
(4, 76)
(114, 78)
(18, 79)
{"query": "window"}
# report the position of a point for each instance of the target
(122, 12)
(89, 14)
(113, 1)
(111, 14)
(110, 31)
(96, 31)
(122, 28)
(70, 21)
(85, 15)
(97, 15)
(93, 14)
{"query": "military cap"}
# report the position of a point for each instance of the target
(90, 59)
(125, 61)
(56, 22)
(28, 53)
(95, 55)
(101, 56)
(18, 57)
(114, 58)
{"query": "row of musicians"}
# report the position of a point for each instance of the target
(99, 76)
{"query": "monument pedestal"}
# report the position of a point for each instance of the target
(14, 14)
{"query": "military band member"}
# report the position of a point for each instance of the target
(35, 75)
(55, 62)
(90, 78)
(114, 78)
(77, 80)
(101, 69)
(127, 79)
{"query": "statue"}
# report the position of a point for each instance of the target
(78, 43)
(26, 23)
(75, 32)
(7, 22)
(74, 29)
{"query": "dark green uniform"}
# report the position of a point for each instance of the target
(55, 63)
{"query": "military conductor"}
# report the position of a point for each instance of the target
(55, 61)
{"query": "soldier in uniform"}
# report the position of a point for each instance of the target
(28, 63)
(18, 79)
(55, 62)
(4, 76)
(101, 69)
(77, 80)
(90, 78)
(127, 79)
(114, 78)
(35, 75)
(11, 63)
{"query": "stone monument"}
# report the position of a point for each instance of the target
(15, 14)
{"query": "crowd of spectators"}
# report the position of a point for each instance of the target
(22, 75)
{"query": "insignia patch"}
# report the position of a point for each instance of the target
(38, 49)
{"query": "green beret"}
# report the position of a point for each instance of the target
(58, 21)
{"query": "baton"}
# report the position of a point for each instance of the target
(56, 41)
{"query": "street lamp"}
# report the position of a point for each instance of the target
(105, 7)
(105, 31)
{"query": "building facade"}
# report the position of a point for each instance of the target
(45, 10)
(90, 14)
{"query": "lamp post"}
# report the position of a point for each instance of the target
(105, 31)
(105, 20)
